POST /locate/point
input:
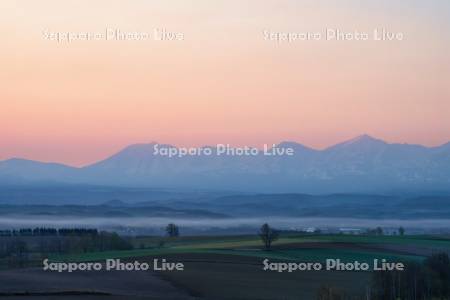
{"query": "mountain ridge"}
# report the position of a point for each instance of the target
(361, 164)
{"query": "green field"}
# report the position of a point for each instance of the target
(291, 247)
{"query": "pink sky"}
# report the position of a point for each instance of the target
(79, 102)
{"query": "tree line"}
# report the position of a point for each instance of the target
(42, 231)
(18, 246)
(429, 279)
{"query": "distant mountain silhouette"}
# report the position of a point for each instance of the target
(362, 164)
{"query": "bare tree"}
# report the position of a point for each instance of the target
(379, 231)
(172, 230)
(268, 235)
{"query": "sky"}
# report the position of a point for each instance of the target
(222, 80)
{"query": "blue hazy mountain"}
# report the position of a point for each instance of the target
(18, 170)
(363, 164)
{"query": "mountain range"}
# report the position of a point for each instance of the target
(363, 164)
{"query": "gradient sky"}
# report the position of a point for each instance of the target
(79, 102)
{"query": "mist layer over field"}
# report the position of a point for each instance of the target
(212, 225)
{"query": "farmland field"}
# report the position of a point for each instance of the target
(229, 267)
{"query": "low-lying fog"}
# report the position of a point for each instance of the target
(235, 225)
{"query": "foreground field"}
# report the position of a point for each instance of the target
(216, 276)
(223, 268)
(35, 283)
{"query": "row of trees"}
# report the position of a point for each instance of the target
(16, 250)
(427, 280)
(41, 231)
